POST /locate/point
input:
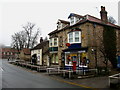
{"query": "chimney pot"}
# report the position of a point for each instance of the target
(41, 39)
(103, 14)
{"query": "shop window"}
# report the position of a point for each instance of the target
(54, 58)
(71, 57)
(80, 59)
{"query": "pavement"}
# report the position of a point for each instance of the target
(96, 83)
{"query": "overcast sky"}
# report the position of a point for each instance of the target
(45, 13)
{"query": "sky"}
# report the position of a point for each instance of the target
(45, 13)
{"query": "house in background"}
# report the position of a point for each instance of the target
(80, 39)
(41, 51)
(8, 52)
(25, 54)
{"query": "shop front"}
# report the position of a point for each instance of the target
(75, 58)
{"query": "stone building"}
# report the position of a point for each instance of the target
(25, 54)
(79, 38)
(56, 42)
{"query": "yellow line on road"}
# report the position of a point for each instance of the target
(83, 86)
(74, 83)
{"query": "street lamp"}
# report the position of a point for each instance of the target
(95, 52)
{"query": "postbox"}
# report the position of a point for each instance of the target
(74, 66)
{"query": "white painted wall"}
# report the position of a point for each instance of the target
(39, 55)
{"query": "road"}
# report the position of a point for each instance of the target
(18, 77)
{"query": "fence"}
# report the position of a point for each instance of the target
(114, 81)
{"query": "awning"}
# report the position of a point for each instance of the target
(76, 49)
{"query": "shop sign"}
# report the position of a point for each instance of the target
(67, 52)
(81, 51)
(73, 55)
(68, 44)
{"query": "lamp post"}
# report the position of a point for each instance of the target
(95, 52)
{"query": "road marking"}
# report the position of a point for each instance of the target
(74, 84)
(1, 69)
(80, 85)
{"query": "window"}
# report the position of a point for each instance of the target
(8, 53)
(77, 19)
(71, 57)
(71, 37)
(54, 58)
(74, 37)
(77, 36)
(50, 42)
(55, 41)
(59, 26)
(72, 20)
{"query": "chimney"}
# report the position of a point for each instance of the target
(41, 39)
(103, 14)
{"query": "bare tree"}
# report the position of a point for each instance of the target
(26, 38)
(102, 50)
(45, 39)
(111, 20)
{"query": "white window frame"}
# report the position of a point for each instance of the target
(56, 42)
(77, 19)
(52, 40)
(74, 37)
(72, 20)
(60, 26)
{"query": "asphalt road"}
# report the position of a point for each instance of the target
(17, 77)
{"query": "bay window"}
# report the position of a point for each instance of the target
(70, 37)
(74, 37)
(77, 36)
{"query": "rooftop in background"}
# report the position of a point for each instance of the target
(40, 45)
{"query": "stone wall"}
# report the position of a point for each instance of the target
(91, 38)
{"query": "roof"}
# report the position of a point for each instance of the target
(88, 18)
(26, 51)
(55, 31)
(76, 15)
(40, 45)
(63, 21)
(9, 50)
(96, 20)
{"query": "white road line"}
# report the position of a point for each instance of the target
(1, 69)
